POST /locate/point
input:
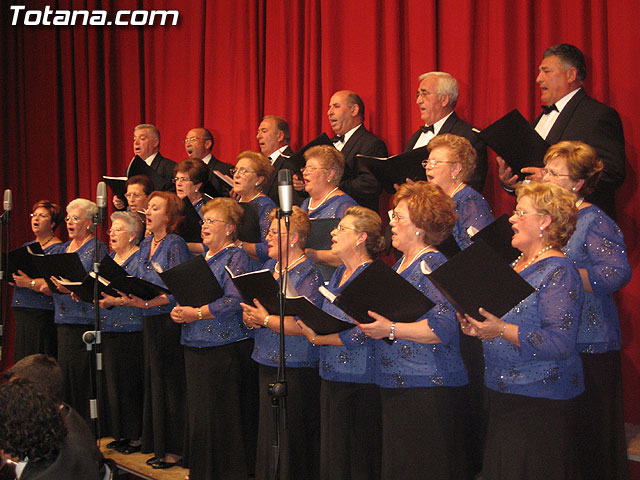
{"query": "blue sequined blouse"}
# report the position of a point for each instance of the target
(123, 319)
(172, 251)
(334, 207)
(67, 309)
(299, 352)
(227, 326)
(27, 298)
(265, 205)
(546, 364)
(353, 362)
(407, 364)
(473, 210)
(598, 246)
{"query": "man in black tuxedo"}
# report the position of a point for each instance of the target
(273, 138)
(437, 97)
(346, 116)
(570, 114)
(198, 143)
(146, 145)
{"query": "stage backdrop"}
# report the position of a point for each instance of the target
(72, 95)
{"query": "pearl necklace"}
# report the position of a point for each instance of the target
(455, 190)
(311, 209)
(400, 269)
(209, 256)
(535, 257)
(252, 198)
(579, 202)
(293, 264)
(357, 267)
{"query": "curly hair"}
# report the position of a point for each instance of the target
(582, 162)
(557, 202)
(460, 151)
(329, 158)
(174, 209)
(430, 209)
(300, 224)
(369, 222)
(89, 209)
(30, 422)
(42, 371)
(260, 164)
(231, 211)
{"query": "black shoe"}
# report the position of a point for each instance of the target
(162, 464)
(152, 460)
(116, 444)
(129, 449)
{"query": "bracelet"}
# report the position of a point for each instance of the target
(121, 302)
(146, 304)
(200, 313)
(32, 283)
(502, 331)
(313, 341)
(266, 321)
(392, 332)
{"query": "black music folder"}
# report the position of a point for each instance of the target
(397, 168)
(320, 235)
(190, 228)
(498, 235)
(140, 167)
(250, 228)
(479, 277)
(449, 247)
(298, 157)
(84, 290)
(118, 186)
(21, 259)
(121, 281)
(59, 265)
(516, 141)
(192, 283)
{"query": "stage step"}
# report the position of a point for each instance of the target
(135, 464)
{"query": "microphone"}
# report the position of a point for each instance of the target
(101, 201)
(285, 191)
(8, 204)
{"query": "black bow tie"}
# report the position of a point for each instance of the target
(425, 129)
(548, 109)
(337, 138)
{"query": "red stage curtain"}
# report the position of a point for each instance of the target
(72, 95)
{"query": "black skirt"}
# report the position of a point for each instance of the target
(300, 440)
(420, 438)
(215, 445)
(350, 431)
(75, 363)
(602, 445)
(530, 438)
(164, 387)
(124, 383)
(35, 332)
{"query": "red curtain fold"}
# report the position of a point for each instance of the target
(72, 95)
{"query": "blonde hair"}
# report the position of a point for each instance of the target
(260, 164)
(582, 162)
(367, 221)
(299, 223)
(231, 211)
(330, 158)
(461, 151)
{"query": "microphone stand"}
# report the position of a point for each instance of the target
(4, 306)
(278, 389)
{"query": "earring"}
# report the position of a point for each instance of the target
(256, 184)
(541, 231)
(196, 190)
(453, 177)
(573, 189)
(417, 234)
(291, 245)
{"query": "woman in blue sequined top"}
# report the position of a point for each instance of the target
(303, 382)
(250, 178)
(598, 250)
(217, 348)
(451, 163)
(189, 176)
(122, 342)
(74, 318)
(35, 330)
(349, 399)
(533, 370)
(420, 371)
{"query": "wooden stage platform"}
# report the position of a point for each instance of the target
(134, 464)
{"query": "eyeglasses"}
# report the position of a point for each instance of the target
(73, 219)
(191, 139)
(521, 213)
(546, 171)
(181, 179)
(433, 163)
(39, 215)
(241, 171)
(115, 231)
(210, 221)
(133, 195)
(396, 217)
(312, 169)
(340, 228)
(425, 93)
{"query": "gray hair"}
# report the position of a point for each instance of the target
(281, 124)
(132, 223)
(155, 133)
(447, 85)
(89, 209)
